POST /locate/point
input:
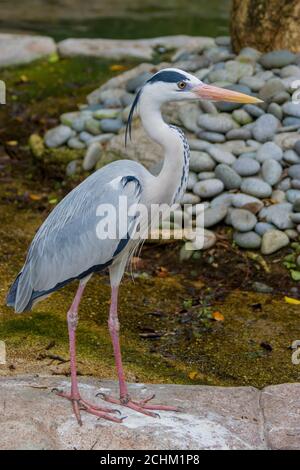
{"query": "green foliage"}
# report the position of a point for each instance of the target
(290, 263)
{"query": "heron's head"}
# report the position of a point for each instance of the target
(173, 84)
(176, 85)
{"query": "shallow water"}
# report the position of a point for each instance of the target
(117, 18)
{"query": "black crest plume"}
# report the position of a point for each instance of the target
(130, 117)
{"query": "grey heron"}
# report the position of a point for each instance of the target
(67, 247)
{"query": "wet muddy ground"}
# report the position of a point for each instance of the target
(220, 318)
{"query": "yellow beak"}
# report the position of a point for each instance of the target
(210, 92)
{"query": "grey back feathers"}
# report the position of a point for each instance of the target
(66, 245)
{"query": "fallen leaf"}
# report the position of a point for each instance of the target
(35, 197)
(295, 275)
(218, 316)
(198, 284)
(162, 272)
(260, 260)
(117, 67)
(290, 300)
(13, 143)
(23, 78)
(53, 58)
(151, 335)
(193, 375)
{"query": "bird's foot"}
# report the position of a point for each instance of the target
(141, 406)
(79, 404)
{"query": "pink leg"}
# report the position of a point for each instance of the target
(114, 327)
(77, 402)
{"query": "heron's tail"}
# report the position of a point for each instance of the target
(20, 293)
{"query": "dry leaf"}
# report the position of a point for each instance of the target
(117, 67)
(162, 272)
(35, 197)
(198, 284)
(13, 143)
(193, 375)
(290, 300)
(218, 316)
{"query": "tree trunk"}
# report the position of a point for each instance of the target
(265, 24)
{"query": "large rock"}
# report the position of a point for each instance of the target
(58, 136)
(246, 166)
(216, 123)
(268, 151)
(212, 418)
(271, 172)
(282, 415)
(221, 155)
(92, 156)
(214, 215)
(291, 109)
(242, 220)
(278, 214)
(248, 240)
(277, 59)
(16, 49)
(229, 177)
(208, 188)
(256, 187)
(271, 88)
(273, 240)
(201, 161)
(117, 49)
(265, 128)
(33, 417)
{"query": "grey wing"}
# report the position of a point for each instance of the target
(68, 245)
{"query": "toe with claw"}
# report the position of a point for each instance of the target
(141, 406)
(79, 404)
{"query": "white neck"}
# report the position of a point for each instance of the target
(169, 139)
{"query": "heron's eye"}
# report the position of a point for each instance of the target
(181, 85)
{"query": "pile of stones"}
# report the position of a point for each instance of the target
(245, 159)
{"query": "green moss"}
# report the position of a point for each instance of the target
(38, 93)
(64, 79)
(108, 157)
(61, 155)
(232, 352)
(36, 145)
